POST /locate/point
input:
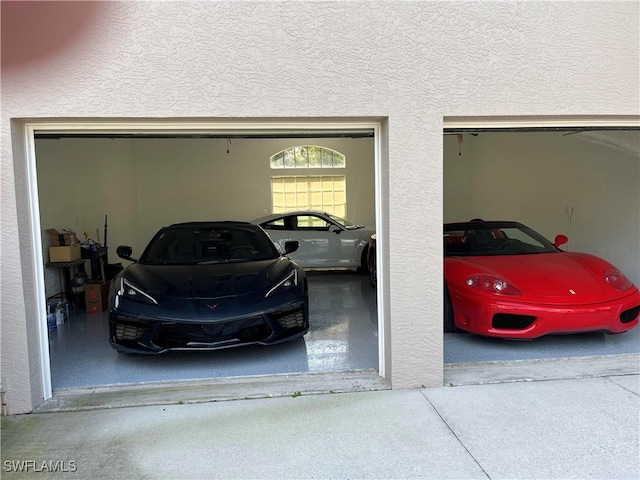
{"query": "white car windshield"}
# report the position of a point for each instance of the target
(345, 223)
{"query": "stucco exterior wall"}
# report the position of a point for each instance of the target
(410, 63)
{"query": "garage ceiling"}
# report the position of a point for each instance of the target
(232, 135)
(625, 139)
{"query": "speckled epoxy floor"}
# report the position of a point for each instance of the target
(343, 337)
(469, 348)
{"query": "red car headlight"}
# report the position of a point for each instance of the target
(617, 280)
(492, 284)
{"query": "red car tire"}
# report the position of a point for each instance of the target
(449, 323)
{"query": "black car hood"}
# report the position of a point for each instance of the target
(208, 281)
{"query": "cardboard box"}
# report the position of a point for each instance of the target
(96, 296)
(61, 239)
(65, 254)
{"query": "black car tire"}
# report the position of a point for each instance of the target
(449, 324)
(373, 271)
(364, 268)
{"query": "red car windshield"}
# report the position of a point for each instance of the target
(493, 238)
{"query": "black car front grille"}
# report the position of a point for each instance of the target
(209, 335)
(290, 318)
(629, 315)
(510, 321)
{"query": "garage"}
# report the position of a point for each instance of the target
(119, 189)
(581, 181)
(406, 70)
(488, 172)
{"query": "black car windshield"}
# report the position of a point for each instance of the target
(493, 238)
(207, 244)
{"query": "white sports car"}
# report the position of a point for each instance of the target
(326, 241)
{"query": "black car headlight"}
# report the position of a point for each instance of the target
(130, 291)
(286, 283)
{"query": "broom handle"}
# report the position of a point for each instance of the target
(106, 253)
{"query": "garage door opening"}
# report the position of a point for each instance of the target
(577, 179)
(119, 184)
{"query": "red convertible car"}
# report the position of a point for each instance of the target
(502, 279)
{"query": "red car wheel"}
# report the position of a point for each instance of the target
(449, 324)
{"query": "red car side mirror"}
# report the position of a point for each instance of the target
(560, 240)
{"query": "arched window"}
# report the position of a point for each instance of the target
(326, 191)
(308, 156)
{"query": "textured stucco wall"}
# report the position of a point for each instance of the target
(409, 62)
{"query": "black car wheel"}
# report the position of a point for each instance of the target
(449, 324)
(364, 268)
(373, 271)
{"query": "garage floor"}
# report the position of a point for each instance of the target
(343, 337)
(470, 348)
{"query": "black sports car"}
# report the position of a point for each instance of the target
(207, 285)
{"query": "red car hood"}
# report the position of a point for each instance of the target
(572, 276)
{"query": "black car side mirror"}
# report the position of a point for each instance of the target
(291, 246)
(335, 229)
(125, 251)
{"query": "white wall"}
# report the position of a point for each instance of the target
(409, 64)
(455, 178)
(533, 177)
(196, 179)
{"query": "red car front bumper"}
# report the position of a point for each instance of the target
(508, 318)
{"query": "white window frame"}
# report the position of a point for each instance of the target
(331, 207)
(295, 151)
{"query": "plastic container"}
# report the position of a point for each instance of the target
(62, 313)
(51, 319)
